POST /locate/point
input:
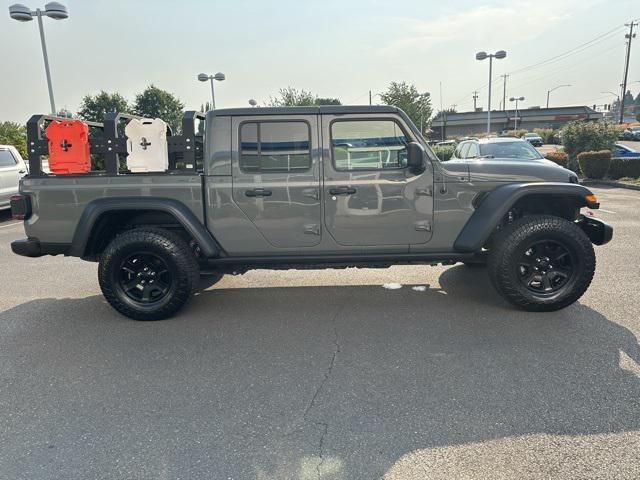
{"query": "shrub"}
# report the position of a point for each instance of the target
(546, 134)
(12, 133)
(624, 167)
(444, 152)
(580, 136)
(561, 158)
(595, 164)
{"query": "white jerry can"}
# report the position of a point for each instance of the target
(147, 145)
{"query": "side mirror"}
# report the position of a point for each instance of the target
(415, 158)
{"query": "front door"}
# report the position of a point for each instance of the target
(276, 178)
(370, 196)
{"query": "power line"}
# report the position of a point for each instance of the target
(572, 51)
(556, 58)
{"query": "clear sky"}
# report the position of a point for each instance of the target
(334, 48)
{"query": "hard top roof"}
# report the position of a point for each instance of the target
(324, 109)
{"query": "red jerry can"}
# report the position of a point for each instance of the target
(68, 147)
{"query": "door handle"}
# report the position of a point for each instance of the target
(258, 192)
(342, 191)
(22, 171)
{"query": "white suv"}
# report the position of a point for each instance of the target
(12, 169)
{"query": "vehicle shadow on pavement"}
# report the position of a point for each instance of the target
(325, 382)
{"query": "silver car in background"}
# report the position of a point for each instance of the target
(12, 169)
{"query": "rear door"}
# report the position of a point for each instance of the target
(276, 177)
(10, 174)
(370, 196)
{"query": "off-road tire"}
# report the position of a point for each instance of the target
(511, 244)
(165, 246)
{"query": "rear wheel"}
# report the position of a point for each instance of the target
(148, 273)
(541, 263)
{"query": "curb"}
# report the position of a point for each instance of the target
(610, 183)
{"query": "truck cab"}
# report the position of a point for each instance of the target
(327, 179)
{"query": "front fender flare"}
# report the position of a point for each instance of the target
(497, 203)
(179, 210)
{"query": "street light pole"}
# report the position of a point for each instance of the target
(46, 62)
(554, 88)
(518, 99)
(53, 10)
(203, 77)
(482, 56)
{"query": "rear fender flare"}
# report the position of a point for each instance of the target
(178, 210)
(497, 203)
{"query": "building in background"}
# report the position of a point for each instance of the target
(461, 124)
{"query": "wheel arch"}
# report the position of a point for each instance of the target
(104, 216)
(560, 199)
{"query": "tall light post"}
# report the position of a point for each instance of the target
(203, 77)
(514, 99)
(54, 10)
(555, 88)
(482, 56)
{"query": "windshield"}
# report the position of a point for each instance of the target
(517, 149)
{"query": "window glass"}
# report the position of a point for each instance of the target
(515, 149)
(368, 145)
(464, 150)
(6, 159)
(473, 150)
(457, 151)
(268, 147)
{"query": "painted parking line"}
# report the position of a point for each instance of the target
(10, 224)
(606, 211)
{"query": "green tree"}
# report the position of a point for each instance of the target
(292, 97)
(628, 98)
(327, 101)
(580, 136)
(406, 97)
(93, 107)
(12, 133)
(157, 103)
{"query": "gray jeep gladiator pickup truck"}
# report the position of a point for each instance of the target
(305, 187)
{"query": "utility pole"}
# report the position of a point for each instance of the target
(475, 98)
(504, 91)
(630, 36)
(369, 97)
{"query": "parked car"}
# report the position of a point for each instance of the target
(620, 150)
(12, 169)
(534, 139)
(505, 148)
(274, 193)
(630, 134)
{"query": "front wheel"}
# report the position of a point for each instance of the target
(148, 273)
(541, 263)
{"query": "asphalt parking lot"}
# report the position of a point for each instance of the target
(304, 375)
